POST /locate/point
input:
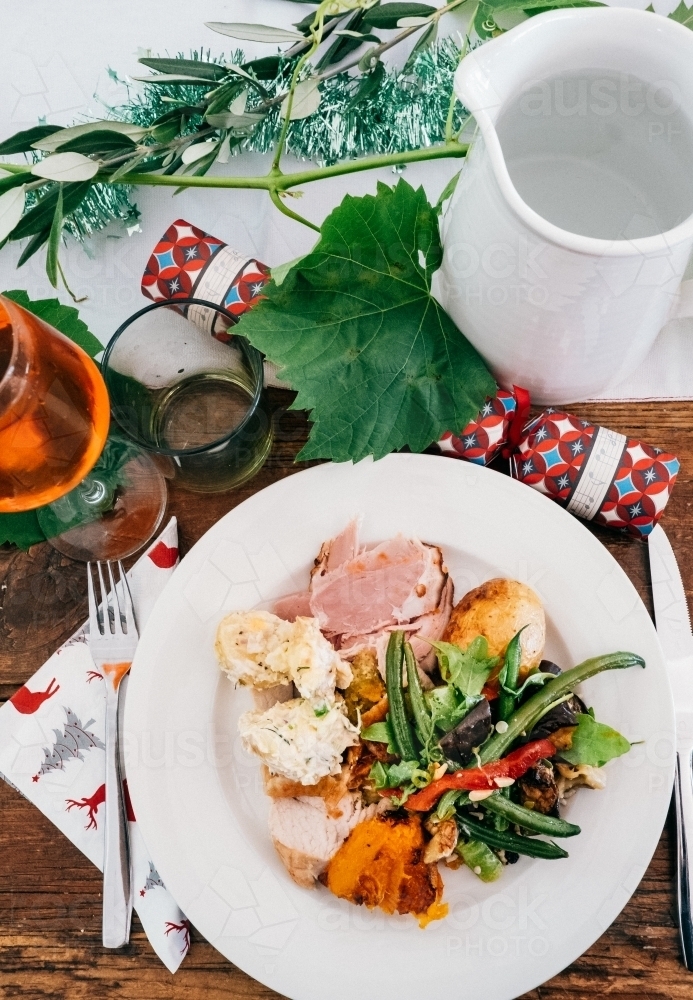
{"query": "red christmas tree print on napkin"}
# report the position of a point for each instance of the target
(68, 745)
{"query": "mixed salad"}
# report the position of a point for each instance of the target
(459, 752)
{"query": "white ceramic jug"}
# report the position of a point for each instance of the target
(566, 315)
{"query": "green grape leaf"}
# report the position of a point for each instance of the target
(22, 530)
(354, 328)
(63, 318)
(682, 14)
(594, 743)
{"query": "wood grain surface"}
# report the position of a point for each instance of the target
(50, 895)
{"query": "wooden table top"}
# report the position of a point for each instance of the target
(50, 894)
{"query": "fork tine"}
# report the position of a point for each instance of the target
(127, 601)
(93, 606)
(105, 607)
(117, 601)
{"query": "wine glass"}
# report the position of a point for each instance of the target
(96, 496)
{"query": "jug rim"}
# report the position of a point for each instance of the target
(470, 68)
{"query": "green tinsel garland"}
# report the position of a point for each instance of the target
(407, 111)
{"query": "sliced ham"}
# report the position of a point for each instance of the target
(293, 606)
(432, 626)
(341, 549)
(306, 836)
(391, 583)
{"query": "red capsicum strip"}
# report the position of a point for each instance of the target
(512, 766)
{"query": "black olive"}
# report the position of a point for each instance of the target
(471, 732)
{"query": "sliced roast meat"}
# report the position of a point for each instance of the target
(306, 836)
(293, 606)
(342, 548)
(394, 582)
(432, 626)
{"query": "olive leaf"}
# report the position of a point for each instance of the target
(425, 40)
(166, 78)
(22, 142)
(195, 152)
(66, 167)
(14, 180)
(388, 15)
(189, 67)
(265, 68)
(254, 32)
(11, 209)
(102, 142)
(37, 220)
(54, 240)
(50, 143)
(594, 743)
(354, 328)
(306, 100)
(369, 84)
(227, 119)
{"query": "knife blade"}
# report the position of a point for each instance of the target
(673, 623)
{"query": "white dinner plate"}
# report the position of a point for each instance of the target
(198, 797)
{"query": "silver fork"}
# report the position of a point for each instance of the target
(112, 642)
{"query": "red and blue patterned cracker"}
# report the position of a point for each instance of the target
(189, 263)
(483, 438)
(595, 473)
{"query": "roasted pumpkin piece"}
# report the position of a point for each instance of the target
(381, 864)
(367, 687)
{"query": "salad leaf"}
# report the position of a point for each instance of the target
(400, 774)
(447, 708)
(380, 732)
(354, 328)
(594, 743)
(467, 669)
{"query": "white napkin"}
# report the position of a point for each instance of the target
(52, 751)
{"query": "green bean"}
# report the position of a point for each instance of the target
(528, 818)
(401, 730)
(508, 841)
(524, 718)
(509, 677)
(448, 800)
(480, 858)
(422, 717)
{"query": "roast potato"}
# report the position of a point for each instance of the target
(498, 609)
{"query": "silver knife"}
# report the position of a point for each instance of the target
(674, 631)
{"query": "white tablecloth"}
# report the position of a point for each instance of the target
(54, 66)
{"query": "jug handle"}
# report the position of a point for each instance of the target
(683, 304)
